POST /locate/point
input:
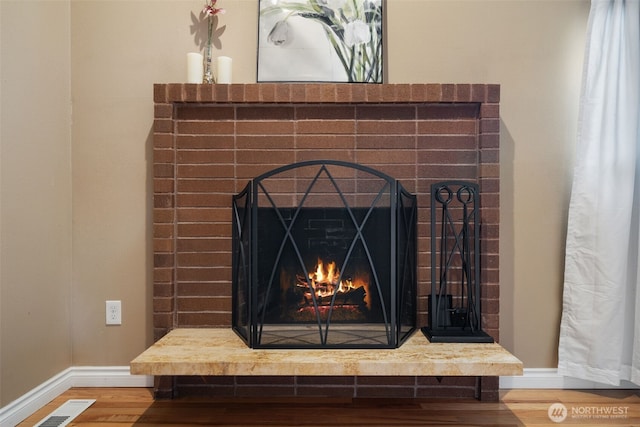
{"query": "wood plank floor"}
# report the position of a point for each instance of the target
(136, 407)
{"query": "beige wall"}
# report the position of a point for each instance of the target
(35, 195)
(86, 181)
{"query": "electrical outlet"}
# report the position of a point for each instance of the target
(114, 313)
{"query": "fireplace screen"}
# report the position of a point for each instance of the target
(324, 256)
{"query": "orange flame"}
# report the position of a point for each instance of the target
(325, 281)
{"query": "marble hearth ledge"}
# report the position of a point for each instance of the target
(222, 352)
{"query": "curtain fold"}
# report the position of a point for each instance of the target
(599, 335)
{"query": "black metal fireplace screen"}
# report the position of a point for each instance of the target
(324, 256)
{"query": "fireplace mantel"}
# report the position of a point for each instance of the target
(328, 93)
(209, 140)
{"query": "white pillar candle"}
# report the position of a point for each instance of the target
(224, 69)
(195, 68)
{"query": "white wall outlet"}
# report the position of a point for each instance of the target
(114, 313)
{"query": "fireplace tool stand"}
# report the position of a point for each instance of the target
(454, 301)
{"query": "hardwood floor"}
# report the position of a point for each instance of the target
(136, 407)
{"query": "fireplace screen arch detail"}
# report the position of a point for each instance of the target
(324, 256)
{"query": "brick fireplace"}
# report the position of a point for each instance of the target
(209, 140)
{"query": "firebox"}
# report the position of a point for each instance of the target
(324, 256)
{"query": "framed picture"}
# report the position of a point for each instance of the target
(320, 41)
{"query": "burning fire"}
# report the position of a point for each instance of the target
(325, 282)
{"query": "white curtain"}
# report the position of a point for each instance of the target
(600, 327)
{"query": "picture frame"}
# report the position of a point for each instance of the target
(320, 41)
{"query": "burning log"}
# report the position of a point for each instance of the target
(312, 294)
(353, 297)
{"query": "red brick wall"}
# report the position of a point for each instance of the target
(209, 140)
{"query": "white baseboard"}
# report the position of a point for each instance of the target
(109, 376)
(538, 378)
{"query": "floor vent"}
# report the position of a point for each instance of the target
(66, 413)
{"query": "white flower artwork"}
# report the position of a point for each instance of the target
(320, 41)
